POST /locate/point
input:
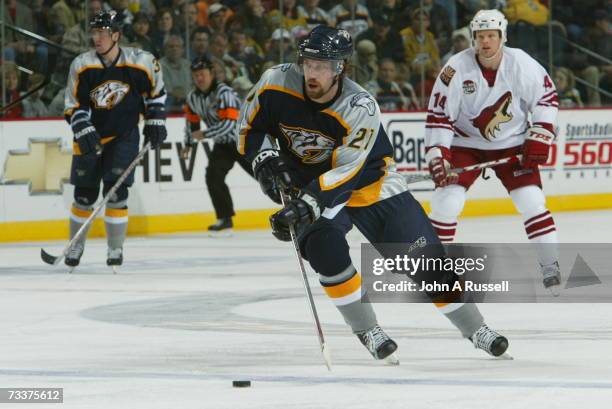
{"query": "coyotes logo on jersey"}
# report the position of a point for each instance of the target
(108, 94)
(310, 146)
(490, 118)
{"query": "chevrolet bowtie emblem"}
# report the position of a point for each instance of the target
(44, 166)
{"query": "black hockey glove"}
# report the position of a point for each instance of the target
(272, 173)
(85, 134)
(155, 125)
(299, 213)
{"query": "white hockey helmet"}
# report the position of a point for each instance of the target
(489, 20)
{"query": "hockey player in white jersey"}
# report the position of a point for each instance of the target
(490, 102)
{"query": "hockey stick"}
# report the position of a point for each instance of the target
(484, 165)
(311, 303)
(54, 260)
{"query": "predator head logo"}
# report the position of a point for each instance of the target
(310, 146)
(108, 94)
(493, 116)
(364, 100)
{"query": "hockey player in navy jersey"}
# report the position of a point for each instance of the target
(335, 152)
(108, 89)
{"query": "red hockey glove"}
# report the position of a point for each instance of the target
(536, 146)
(438, 160)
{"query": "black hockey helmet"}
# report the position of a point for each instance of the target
(326, 43)
(201, 63)
(106, 20)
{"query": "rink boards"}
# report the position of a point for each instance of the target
(170, 193)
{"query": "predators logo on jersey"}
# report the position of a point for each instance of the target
(109, 94)
(364, 100)
(493, 116)
(310, 146)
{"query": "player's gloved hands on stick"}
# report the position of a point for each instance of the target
(438, 159)
(155, 125)
(85, 134)
(537, 146)
(272, 173)
(299, 213)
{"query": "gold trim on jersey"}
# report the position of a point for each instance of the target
(341, 181)
(369, 194)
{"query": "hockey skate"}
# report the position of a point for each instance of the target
(551, 274)
(73, 258)
(490, 341)
(379, 344)
(222, 228)
(114, 258)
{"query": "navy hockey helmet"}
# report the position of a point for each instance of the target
(327, 43)
(201, 63)
(108, 20)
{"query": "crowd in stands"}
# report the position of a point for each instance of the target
(400, 45)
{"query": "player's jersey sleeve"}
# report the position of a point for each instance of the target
(192, 119)
(254, 119)
(154, 91)
(363, 125)
(77, 88)
(443, 108)
(540, 94)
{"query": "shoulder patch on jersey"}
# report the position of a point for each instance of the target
(108, 94)
(309, 145)
(447, 75)
(364, 100)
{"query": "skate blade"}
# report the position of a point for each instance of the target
(220, 234)
(71, 269)
(555, 290)
(114, 268)
(505, 357)
(392, 360)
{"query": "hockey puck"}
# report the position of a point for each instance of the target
(241, 384)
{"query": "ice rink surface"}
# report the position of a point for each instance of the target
(187, 314)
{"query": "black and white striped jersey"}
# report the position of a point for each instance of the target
(219, 109)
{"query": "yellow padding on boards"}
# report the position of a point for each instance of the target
(345, 288)
(110, 212)
(259, 219)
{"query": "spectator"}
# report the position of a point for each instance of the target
(141, 37)
(251, 15)
(597, 39)
(220, 70)
(33, 107)
(390, 94)
(76, 39)
(10, 73)
(420, 47)
(56, 107)
(280, 48)
(393, 8)
(529, 11)
(440, 24)
(364, 63)
(66, 13)
(199, 43)
(176, 73)
(245, 54)
(187, 21)
(568, 95)
(17, 48)
(461, 41)
(388, 42)
(219, 49)
(124, 15)
(425, 85)
(341, 16)
(217, 18)
(165, 28)
(290, 17)
(313, 14)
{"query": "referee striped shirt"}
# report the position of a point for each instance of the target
(219, 109)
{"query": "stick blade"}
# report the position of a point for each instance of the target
(326, 356)
(48, 258)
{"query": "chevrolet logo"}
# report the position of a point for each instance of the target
(44, 166)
